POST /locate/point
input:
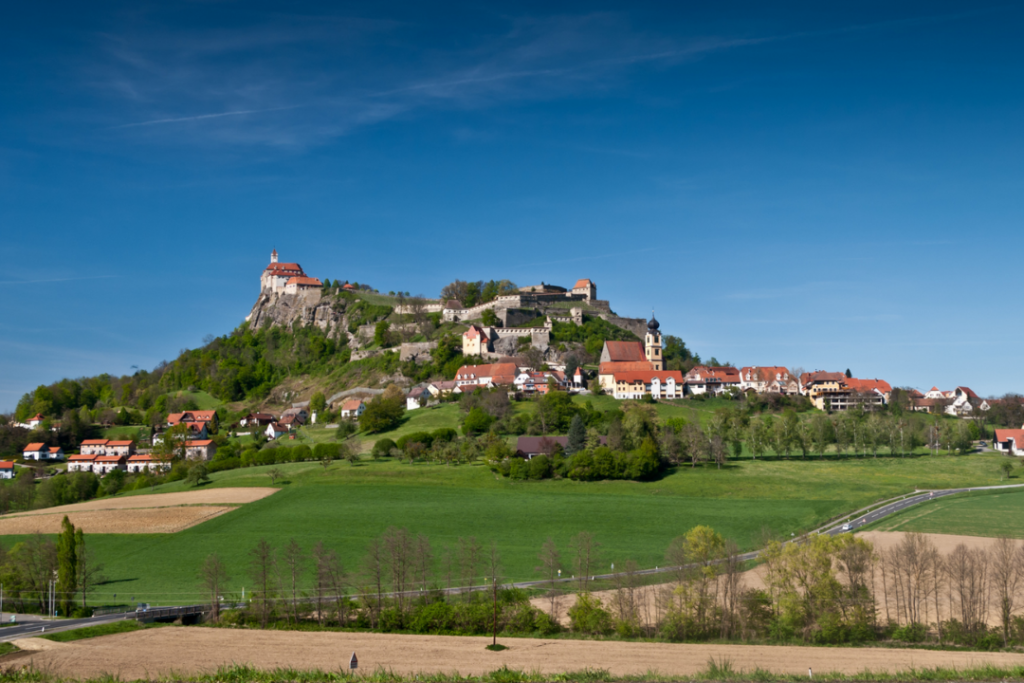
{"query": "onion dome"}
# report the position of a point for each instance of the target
(653, 325)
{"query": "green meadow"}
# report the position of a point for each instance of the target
(347, 505)
(989, 513)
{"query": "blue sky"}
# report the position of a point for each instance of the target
(822, 185)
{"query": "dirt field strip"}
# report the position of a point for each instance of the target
(131, 521)
(223, 496)
(157, 513)
(188, 650)
(653, 598)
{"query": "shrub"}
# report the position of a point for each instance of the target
(326, 450)
(540, 467)
(424, 438)
(444, 434)
(589, 616)
(476, 422)
(301, 452)
(382, 448)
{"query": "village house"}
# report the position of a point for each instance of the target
(773, 379)
(353, 408)
(275, 431)
(257, 419)
(579, 379)
(714, 381)
(301, 413)
(618, 357)
(416, 398)
(144, 461)
(36, 421)
(124, 448)
(195, 417)
(6, 469)
(586, 289)
(81, 462)
(442, 387)
(834, 391)
(290, 422)
(475, 341)
(495, 374)
(200, 450)
(94, 447)
(1009, 441)
(530, 446)
(35, 451)
(105, 464)
(530, 382)
(963, 400)
(657, 384)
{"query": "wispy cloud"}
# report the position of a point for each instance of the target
(201, 117)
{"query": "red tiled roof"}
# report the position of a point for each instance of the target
(140, 457)
(764, 373)
(933, 389)
(82, 457)
(473, 332)
(623, 366)
(347, 286)
(500, 373)
(822, 376)
(649, 375)
(865, 385)
(32, 447)
(55, 449)
(109, 458)
(283, 267)
(6, 465)
(352, 404)
(205, 442)
(970, 394)
(1016, 434)
(582, 284)
(305, 281)
(120, 443)
(95, 442)
(623, 351)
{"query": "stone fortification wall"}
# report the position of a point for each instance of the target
(512, 317)
(307, 307)
(416, 351)
(637, 326)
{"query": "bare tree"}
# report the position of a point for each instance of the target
(214, 576)
(625, 599)
(398, 552)
(376, 569)
(89, 571)
(1007, 579)
(732, 586)
(263, 571)
(585, 556)
(295, 560)
(550, 564)
(423, 561)
(967, 573)
(470, 552)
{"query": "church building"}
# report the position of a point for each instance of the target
(277, 276)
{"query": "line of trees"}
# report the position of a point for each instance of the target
(822, 589)
(28, 567)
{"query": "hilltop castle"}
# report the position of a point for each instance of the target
(285, 278)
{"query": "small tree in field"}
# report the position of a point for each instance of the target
(214, 576)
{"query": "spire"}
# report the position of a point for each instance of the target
(273, 256)
(653, 325)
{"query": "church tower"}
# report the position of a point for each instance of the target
(652, 344)
(273, 256)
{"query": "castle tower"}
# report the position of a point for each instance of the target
(273, 256)
(652, 344)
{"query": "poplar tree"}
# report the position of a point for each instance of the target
(577, 436)
(67, 567)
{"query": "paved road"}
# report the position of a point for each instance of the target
(35, 628)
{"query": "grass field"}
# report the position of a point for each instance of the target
(202, 399)
(349, 505)
(992, 514)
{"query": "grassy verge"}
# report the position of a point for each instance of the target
(716, 670)
(7, 648)
(982, 513)
(125, 626)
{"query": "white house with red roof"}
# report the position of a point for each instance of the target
(81, 462)
(276, 276)
(36, 420)
(200, 450)
(6, 469)
(353, 408)
(1009, 441)
(964, 401)
(711, 380)
(275, 431)
(769, 379)
(658, 384)
(496, 374)
(36, 451)
(144, 461)
(105, 464)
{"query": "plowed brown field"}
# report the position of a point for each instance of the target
(158, 513)
(158, 652)
(165, 520)
(225, 496)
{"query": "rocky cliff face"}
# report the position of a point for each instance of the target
(306, 308)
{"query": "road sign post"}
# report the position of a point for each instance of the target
(354, 662)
